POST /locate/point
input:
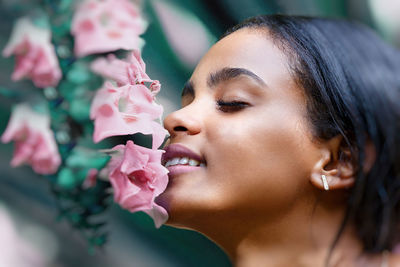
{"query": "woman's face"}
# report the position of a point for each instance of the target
(243, 114)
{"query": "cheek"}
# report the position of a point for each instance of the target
(259, 161)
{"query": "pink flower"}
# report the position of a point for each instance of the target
(35, 55)
(130, 71)
(126, 110)
(108, 25)
(129, 108)
(137, 176)
(91, 179)
(34, 140)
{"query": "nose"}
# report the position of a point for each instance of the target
(184, 121)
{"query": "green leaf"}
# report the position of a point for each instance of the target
(80, 109)
(86, 158)
(79, 73)
(66, 178)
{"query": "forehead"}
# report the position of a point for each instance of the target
(246, 48)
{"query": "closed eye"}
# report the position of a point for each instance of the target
(231, 106)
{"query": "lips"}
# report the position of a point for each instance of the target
(179, 151)
(187, 160)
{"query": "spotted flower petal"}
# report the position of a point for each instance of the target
(126, 110)
(105, 26)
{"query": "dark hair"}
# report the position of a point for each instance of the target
(352, 82)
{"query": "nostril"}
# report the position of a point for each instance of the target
(180, 129)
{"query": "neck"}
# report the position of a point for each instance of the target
(293, 239)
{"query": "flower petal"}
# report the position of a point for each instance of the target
(138, 116)
(104, 26)
(34, 141)
(35, 55)
(138, 178)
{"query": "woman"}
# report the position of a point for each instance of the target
(286, 149)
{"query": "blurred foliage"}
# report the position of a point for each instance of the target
(69, 105)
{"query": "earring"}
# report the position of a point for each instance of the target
(325, 182)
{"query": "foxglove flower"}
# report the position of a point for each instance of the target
(126, 110)
(34, 140)
(34, 54)
(130, 71)
(137, 177)
(105, 26)
(129, 107)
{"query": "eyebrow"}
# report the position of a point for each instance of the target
(222, 75)
(227, 74)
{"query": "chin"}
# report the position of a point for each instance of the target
(183, 210)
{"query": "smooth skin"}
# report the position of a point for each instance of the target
(260, 196)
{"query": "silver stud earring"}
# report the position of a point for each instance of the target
(325, 182)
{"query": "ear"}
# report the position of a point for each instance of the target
(336, 163)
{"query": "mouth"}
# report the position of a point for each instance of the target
(180, 159)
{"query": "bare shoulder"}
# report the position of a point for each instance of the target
(393, 260)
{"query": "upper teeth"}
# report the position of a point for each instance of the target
(183, 161)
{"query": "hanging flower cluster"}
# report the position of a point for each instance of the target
(53, 140)
(129, 107)
(35, 59)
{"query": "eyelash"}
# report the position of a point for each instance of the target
(231, 106)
